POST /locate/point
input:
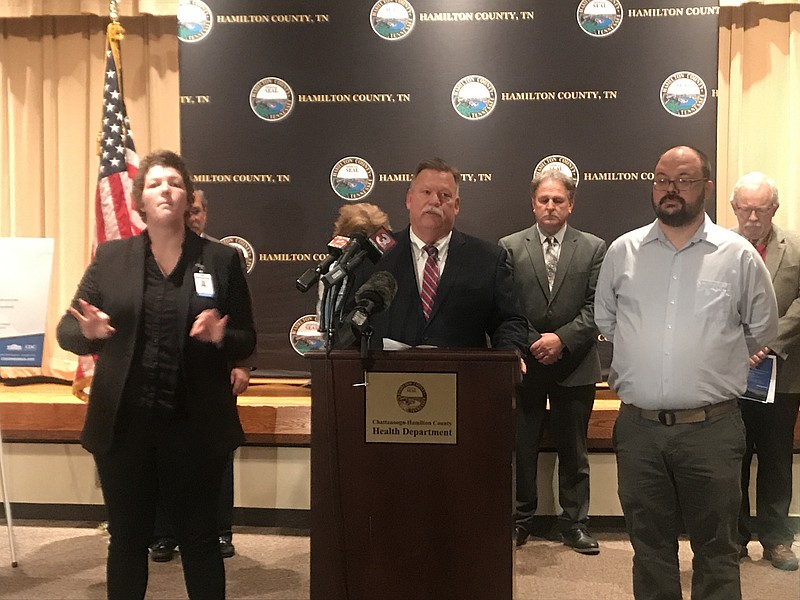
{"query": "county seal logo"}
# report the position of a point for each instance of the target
(474, 97)
(411, 397)
(305, 335)
(392, 19)
(244, 247)
(194, 20)
(683, 94)
(352, 178)
(560, 162)
(599, 18)
(271, 99)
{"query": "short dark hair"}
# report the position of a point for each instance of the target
(161, 158)
(203, 201)
(437, 164)
(557, 175)
(705, 164)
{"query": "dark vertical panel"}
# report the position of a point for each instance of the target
(613, 134)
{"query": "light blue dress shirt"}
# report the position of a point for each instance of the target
(683, 322)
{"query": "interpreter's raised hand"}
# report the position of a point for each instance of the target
(209, 327)
(94, 323)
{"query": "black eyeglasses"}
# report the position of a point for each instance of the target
(682, 185)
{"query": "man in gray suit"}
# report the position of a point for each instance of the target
(770, 427)
(555, 273)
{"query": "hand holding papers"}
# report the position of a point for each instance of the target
(761, 381)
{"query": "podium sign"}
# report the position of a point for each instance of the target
(412, 408)
(412, 510)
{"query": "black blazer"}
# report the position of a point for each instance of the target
(114, 282)
(475, 298)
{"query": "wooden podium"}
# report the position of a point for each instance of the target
(407, 520)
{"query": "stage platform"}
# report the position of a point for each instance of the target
(274, 412)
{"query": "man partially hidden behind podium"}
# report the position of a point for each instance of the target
(453, 290)
(555, 273)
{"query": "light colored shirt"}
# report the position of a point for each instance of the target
(559, 235)
(683, 322)
(420, 256)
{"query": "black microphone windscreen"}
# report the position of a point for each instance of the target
(380, 288)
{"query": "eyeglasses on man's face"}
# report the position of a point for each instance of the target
(746, 211)
(682, 184)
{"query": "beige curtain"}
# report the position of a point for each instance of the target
(37, 8)
(759, 104)
(51, 87)
(743, 2)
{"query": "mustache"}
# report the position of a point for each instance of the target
(434, 210)
(671, 196)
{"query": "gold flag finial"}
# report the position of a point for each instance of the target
(113, 10)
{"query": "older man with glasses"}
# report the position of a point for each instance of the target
(770, 426)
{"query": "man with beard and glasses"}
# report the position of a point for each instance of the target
(686, 303)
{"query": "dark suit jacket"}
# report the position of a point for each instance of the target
(474, 299)
(114, 282)
(568, 310)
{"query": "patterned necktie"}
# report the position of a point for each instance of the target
(430, 280)
(551, 259)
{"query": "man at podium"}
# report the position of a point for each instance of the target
(453, 290)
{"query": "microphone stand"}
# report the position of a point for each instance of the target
(366, 336)
(328, 319)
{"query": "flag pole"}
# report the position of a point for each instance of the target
(7, 506)
(114, 208)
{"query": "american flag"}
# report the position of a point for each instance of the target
(115, 214)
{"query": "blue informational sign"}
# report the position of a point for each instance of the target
(24, 287)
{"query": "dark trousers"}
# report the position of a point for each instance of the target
(681, 474)
(570, 409)
(770, 433)
(164, 530)
(158, 461)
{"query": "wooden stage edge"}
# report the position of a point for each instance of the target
(274, 412)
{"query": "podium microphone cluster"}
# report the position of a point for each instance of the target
(345, 254)
(335, 247)
(374, 297)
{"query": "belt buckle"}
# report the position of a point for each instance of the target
(667, 417)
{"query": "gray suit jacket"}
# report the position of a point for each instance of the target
(783, 264)
(568, 310)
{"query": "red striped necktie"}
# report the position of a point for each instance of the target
(430, 280)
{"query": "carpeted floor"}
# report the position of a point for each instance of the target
(65, 561)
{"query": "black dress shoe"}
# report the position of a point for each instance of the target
(520, 535)
(580, 541)
(226, 547)
(162, 550)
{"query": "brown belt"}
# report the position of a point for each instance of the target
(683, 416)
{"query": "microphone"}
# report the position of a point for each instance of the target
(311, 276)
(373, 297)
(360, 246)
